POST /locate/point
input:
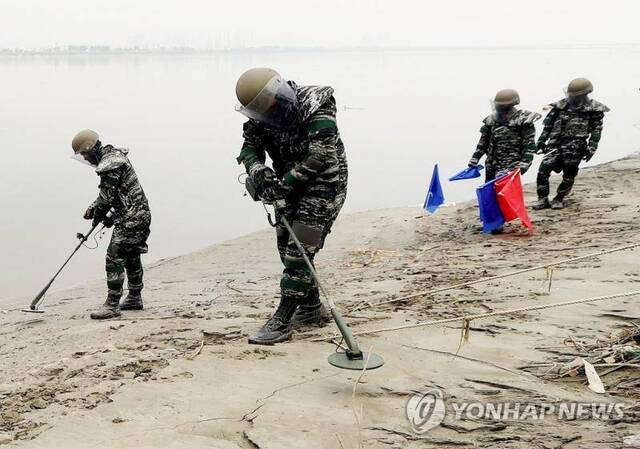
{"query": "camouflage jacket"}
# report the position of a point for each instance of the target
(574, 130)
(509, 144)
(120, 190)
(310, 156)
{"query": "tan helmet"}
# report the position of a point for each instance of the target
(84, 141)
(579, 86)
(507, 97)
(251, 83)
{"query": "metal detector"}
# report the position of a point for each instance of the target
(39, 299)
(353, 358)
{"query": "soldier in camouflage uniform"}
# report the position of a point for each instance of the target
(296, 127)
(572, 131)
(121, 192)
(507, 137)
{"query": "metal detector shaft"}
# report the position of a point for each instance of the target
(39, 296)
(550, 152)
(349, 339)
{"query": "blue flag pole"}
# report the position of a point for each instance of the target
(435, 195)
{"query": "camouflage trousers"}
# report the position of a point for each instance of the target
(311, 217)
(493, 170)
(123, 256)
(490, 172)
(566, 163)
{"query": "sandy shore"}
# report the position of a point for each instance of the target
(180, 374)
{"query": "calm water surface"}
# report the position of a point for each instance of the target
(399, 113)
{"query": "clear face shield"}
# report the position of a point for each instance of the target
(89, 157)
(575, 100)
(276, 105)
(500, 112)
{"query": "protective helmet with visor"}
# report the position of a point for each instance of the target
(85, 147)
(578, 90)
(503, 103)
(275, 103)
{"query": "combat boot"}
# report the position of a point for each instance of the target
(542, 203)
(277, 328)
(132, 302)
(311, 313)
(557, 203)
(110, 309)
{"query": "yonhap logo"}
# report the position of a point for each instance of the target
(425, 410)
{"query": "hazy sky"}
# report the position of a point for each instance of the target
(331, 23)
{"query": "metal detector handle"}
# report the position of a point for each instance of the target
(83, 239)
(352, 345)
(353, 351)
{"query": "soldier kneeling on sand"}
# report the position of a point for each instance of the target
(121, 192)
(296, 127)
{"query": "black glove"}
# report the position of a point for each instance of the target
(541, 147)
(275, 192)
(263, 178)
(590, 153)
(108, 221)
(89, 213)
(99, 214)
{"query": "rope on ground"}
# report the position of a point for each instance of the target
(466, 320)
(492, 278)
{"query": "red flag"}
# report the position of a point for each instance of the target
(511, 198)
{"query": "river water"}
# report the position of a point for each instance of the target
(399, 113)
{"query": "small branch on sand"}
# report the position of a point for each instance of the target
(470, 359)
(228, 285)
(196, 352)
(339, 438)
(414, 437)
(618, 366)
(499, 385)
(359, 423)
(149, 318)
(364, 370)
(360, 416)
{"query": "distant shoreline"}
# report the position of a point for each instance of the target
(81, 50)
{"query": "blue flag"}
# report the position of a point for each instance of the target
(490, 212)
(435, 196)
(468, 173)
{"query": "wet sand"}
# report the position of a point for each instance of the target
(180, 374)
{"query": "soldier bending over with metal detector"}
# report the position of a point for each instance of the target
(353, 357)
(296, 127)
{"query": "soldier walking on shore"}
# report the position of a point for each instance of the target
(572, 131)
(507, 136)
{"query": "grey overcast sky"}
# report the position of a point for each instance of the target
(325, 23)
